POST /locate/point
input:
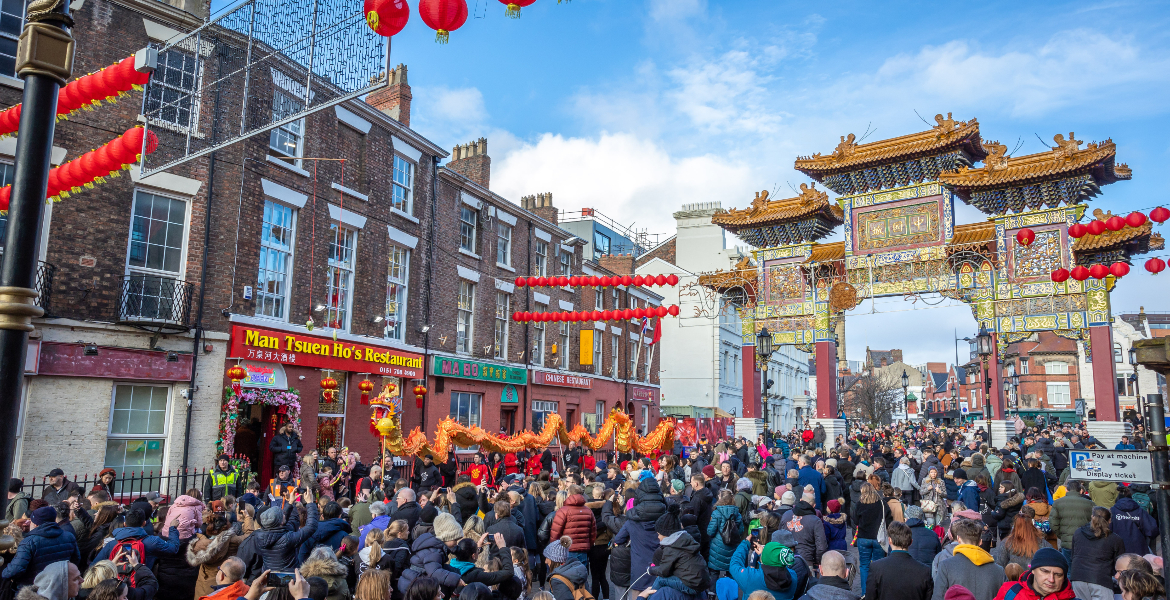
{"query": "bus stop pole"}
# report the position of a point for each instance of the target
(1159, 452)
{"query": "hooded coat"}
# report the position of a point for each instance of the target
(972, 568)
(678, 556)
(208, 554)
(1093, 557)
(576, 573)
(925, 545)
(835, 532)
(808, 530)
(1068, 514)
(329, 533)
(277, 543)
(619, 555)
(719, 554)
(1103, 493)
(428, 557)
(639, 531)
(467, 497)
(40, 548)
(1133, 525)
(186, 514)
(978, 465)
(781, 582)
(1007, 506)
(333, 572)
(830, 588)
(154, 545)
(576, 520)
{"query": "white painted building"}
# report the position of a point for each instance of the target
(1124, 335)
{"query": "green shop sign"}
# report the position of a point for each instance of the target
(443, 366)
(509, 395)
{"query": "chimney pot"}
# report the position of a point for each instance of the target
(394, 100)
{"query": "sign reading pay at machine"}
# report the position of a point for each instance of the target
(1111, 465)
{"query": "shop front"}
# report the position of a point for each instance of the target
(475, 392)
(283, 387)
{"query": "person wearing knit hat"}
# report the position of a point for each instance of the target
(1047, 577)
(44, 514)
(668, 524)
(557, 552)
(774, 573)
(46, 543)
(678, 563)
(447, 529)
(835, 527)
(709, 472)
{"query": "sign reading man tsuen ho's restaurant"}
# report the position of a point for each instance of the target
(266, 345)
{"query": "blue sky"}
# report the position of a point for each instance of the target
(635, 107)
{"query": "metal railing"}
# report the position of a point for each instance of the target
(45, 274)
(131, 485)
(155, 301)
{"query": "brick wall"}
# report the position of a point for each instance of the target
(472, 161)
(666, 251)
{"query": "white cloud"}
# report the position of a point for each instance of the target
(452, 113)
(631, 179)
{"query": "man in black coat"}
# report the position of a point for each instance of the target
(408, 508)
(426, 475)
(285, 447)
(506, 525)
(899, 576)
(701, 501)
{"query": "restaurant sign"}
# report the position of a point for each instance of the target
(267, 345)
(445, 366)
(638, 393)
(264, 375)
(562, 380)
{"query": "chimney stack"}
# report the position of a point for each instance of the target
(395, 99)
(472, 161)
(542, 206)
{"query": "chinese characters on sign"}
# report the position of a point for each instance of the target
(470, 369)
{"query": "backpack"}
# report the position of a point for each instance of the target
(581, 593)
(731, 532)
(135, 544)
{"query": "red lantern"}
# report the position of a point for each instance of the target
(1135, 219)
(1060, 275)
(386, 17)
(514, 6)
(531, 281)
(444, 16)
(660, 280)
(596, 315)
(673, 310)
(639, 313)
(562, 281)
(329, 389)
(627, 280)
(237, 374)
(605, 281)
(1080, 273)
(1115, 223)
(1119, 269)
(1155, 265)
(1159, 215)
(420, 390)
(574, 316)
(639, 280)
(366, 386)
(1025, 236)
(606, 315)
(672, 279)
(521, 282)
(628, 314)
(1098, 271)
(574, 281)
(525, 316)
(542, 281)
(517, 315)
(661, 310)
(1096, 227)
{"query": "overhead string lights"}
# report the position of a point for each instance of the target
(596, 315)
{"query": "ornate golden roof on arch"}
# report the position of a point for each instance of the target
(764, 211)
(1065, 159)
(1143, 237)
(948, 135)
(743, 276)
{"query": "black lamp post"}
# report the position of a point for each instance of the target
(1137, 391)
(764, 351)
(955, 398)
(983, 348)
(905, 388)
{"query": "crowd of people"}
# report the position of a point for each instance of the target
(904, 512)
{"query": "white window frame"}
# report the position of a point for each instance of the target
(1059, 390)
(540, 258)
(1056, 367)
(503, 316)
(631, 360)
(645, 419)
(1024, 366)
(157, 121)
(1118, 353)
(294, 129)
(468, 229)
(615, 346)
(503, 243)
(598, 299)
(465, 317)
(164, 436)
(616, 299)
(407, 188)
(543, 408)
(336, 228)
(177, 277)
(566, 262)
(396, 330)
(538, 342)
(598, 352)
(286, 298)
(563, 350)
(474, 400)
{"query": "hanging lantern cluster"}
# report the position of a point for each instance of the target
(597, 315)
(586, 281)
(86, 91)
(514, 6)
(93, 166)
(444, 16)
(237, 374)
(419, 391)
(1081, 273)
(386, 17)
(1025, 236)
(1115, 223)
(366, 386)
(329, 389)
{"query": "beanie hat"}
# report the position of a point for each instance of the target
(776, 555)
(1048, 557)
(558, 550)
(788, 499)
(832, 462)
(743, 484)
(914, 512)
(780, 489)
(709, 472)
(959, 474)
(44, 514)
(447, 529)
(428, 514)
(14, 485)
(107, 470)
(834, 506)
(677, 484)
(668, 524)
(958, 592)
(271, 518)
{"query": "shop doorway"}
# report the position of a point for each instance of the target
(508, 421)
(258, 425)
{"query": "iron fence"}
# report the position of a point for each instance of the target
(131, 485)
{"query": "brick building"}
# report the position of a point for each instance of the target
(334, 246)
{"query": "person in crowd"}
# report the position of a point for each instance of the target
(808, 529)
(638, 531)
(871, 515)
(726, 529)
(905, 481)
(278, 541)
(934, 494)
(408, 510)
(1095, 550)
(899, 576)
(575, 520)
(970, 566)
(44, 544)
(1137, 585)
(426, 476)
(216, 545)
(925, 545)
(322, 562)
(18, 501)
(223, 480)
(774, 572)
(1021, 542)
(1045, 579)
(1132, 523)
(428, 556)
(285, 446)
(134, 534)
(810, 476)
(59, 489)
(1068, 515)
(836, 529)
(59, 580)
(834, 583)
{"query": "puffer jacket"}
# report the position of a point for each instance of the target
(679, 557)
(1007, 506)
(1103, 493)
(176, 577)
(186, 514)
(649, 504)
(808, 530)
(40, 548)
(154, 545)
(329, 533)
(643, 541)
(332, 572)
(1133, 525)
(427, 557)
(835, 532)
(575, 573)
(924, 545)
(719, 556)
(1069, 514)
(467, 497)
(575, 520)
(278, 545)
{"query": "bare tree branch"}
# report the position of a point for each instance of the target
(873, 397)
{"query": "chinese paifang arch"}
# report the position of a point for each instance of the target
(448, 433)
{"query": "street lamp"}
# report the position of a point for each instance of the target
(983, 348)
(955, 398)
(905, 388)
(764, 350)
(1136, 390)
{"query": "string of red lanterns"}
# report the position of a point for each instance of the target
(596, 315)
(108, 84)
(590, 281)
(1115, 223)
(1081, 273)
(93, 166)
